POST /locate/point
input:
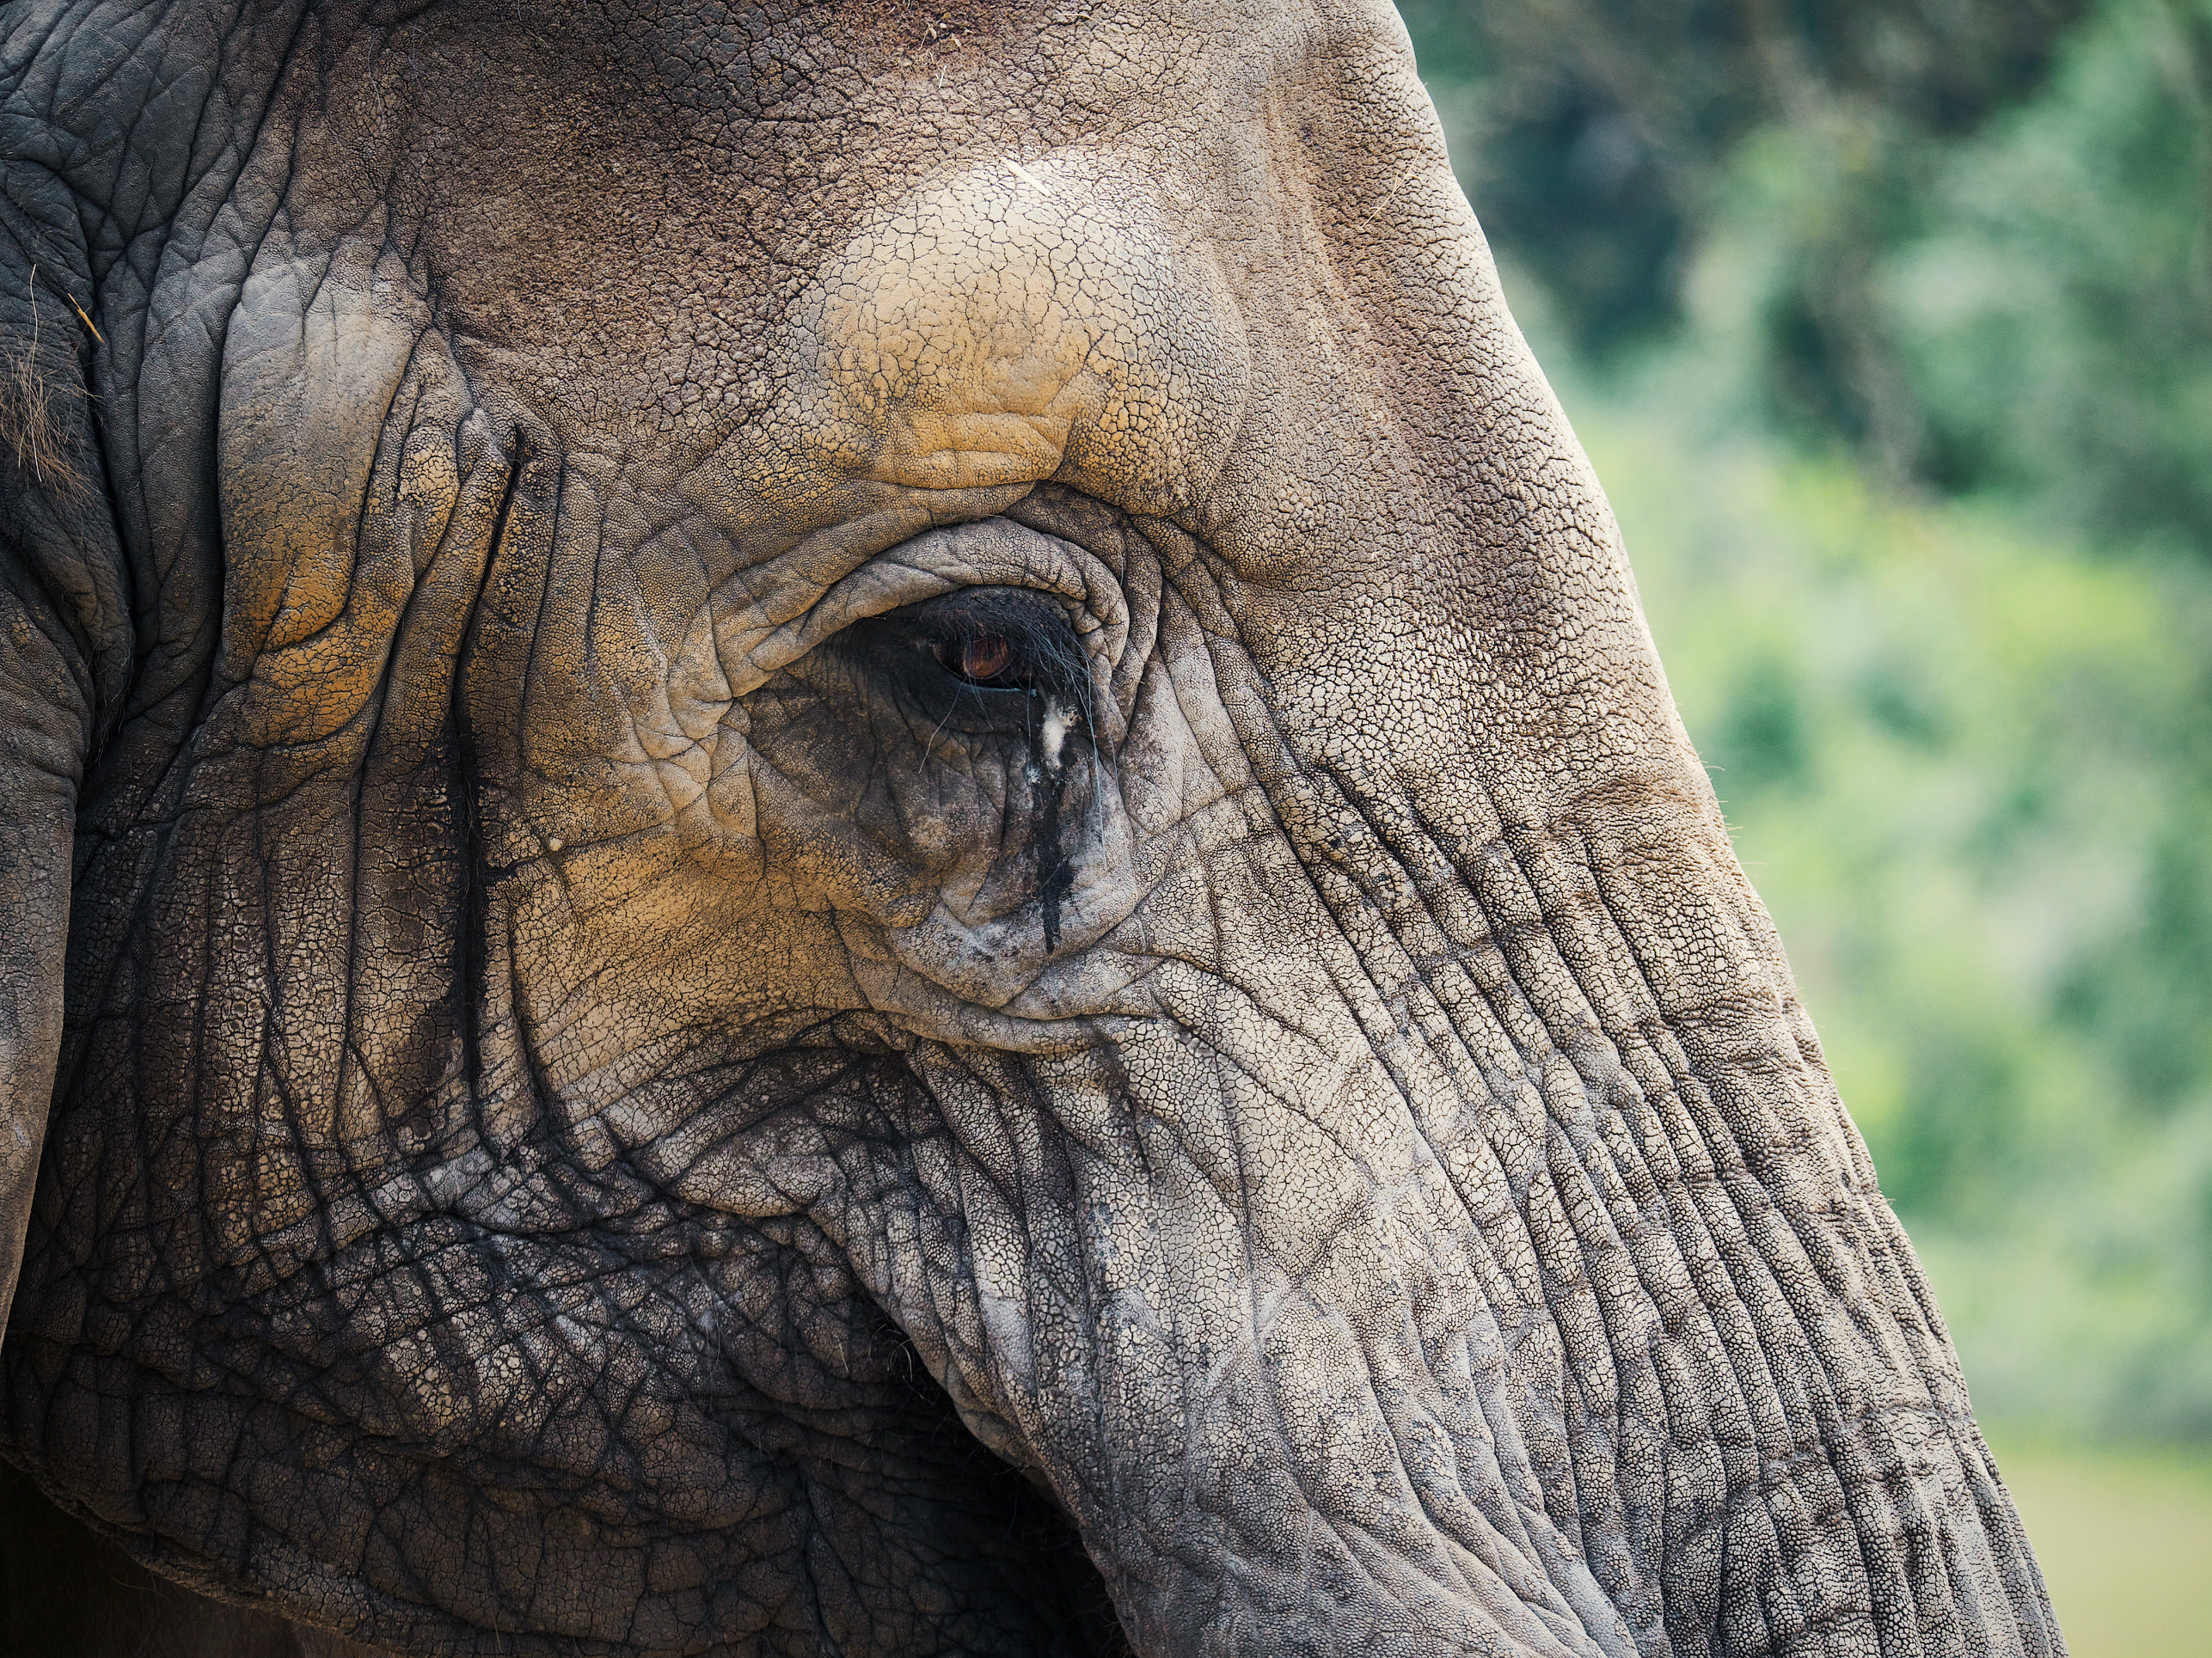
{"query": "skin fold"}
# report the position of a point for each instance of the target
(844, 829)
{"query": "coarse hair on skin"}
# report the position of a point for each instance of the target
(34, 425)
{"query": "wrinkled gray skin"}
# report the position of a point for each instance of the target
(605, 1100)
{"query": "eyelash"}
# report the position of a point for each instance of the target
(1003, 640)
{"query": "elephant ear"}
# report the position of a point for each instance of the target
(65, 646)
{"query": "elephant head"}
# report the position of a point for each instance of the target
(866, 845)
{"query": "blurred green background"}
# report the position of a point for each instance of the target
(1888, 325)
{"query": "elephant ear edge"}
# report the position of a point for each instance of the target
(65, 645)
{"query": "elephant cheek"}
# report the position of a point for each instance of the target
(1212, 1281)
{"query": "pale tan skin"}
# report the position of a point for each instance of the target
(586, 1056)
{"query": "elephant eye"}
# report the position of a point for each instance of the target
(996, 657)
(979, 658)
(1001, 639)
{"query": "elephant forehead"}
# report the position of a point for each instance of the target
(1018, 322)
(639, 203)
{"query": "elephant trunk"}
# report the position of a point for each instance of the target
(1451, 1262)
(1251, 1353)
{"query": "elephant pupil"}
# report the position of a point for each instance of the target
(979, 656)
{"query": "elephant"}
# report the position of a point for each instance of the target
(845, 828)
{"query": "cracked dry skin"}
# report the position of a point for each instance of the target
(874, 853)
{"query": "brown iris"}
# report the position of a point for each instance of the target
(979, 656)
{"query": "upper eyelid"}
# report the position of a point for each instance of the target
(953, 559)
(1024, 609)
(1045, 628)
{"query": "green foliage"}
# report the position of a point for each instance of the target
(1900, 378)
(2055, 312)
(1946, 752)
(1974, 242)
(1590, 133)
